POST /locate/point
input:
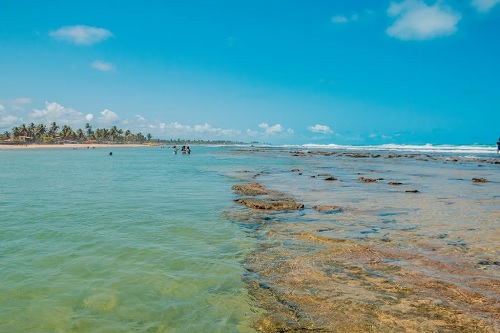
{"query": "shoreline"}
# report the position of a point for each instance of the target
(75, 146)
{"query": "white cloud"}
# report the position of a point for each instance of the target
(81, 34)
(484, 5)
(89, 117)
(198, 131)
(272, 129)
(2, 108)
(8, 121)
(108, 116)
(16, 104)
(339, 19)
(58, 113)
(251, 133)
(140, 118)
(320, 129)
(415, 20)
(102, 66)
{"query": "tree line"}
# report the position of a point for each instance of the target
(54, 133)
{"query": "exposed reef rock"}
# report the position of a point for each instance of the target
(367, 180)
(328, 209)
(275, 203)
(250, 189)
(479, 180)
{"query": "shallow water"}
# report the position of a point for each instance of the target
(148, 241)
(387, 260)
(133, 242)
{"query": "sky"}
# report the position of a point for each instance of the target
(282, 72)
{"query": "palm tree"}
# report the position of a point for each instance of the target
(112, 133)
(67, 133)
(39, 131)
(53, 130)
(89, 132)
(80, 135)
(127, 135)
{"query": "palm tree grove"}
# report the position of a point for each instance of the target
(55, 134)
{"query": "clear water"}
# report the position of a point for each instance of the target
(133, 242)
(138, 241)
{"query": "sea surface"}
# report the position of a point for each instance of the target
(141, 241)
(133, 242)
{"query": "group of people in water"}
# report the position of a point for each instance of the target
(184, 149)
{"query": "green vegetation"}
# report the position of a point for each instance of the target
(54, 134)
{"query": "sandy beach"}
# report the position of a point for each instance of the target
(373, 242)
(74, 146)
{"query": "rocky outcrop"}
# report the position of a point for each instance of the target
(265, 202)
(367, 180)
(275, 203)
(250, 189)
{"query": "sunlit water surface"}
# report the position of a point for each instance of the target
(133, 242)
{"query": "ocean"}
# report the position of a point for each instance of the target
(147, 241)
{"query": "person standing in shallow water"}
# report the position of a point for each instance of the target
(174, 149)
(498, 145)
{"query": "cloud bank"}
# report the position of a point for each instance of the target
(415, 20)
(81, 34)
(56, 112)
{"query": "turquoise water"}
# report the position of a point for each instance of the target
(133, 242)
(139, 241)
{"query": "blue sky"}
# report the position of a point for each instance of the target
(296, 72)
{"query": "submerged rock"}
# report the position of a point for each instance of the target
(367, 180)
(250, 189)
(395, 183)
(328, 208)
(270, 203)
(479, 180)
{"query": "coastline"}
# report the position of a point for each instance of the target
(378, 243)
(74, 146)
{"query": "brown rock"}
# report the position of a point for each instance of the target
(330, 178)
(395, 183)
(479, 180)
(250, 189)
(328, 208)
(270, 204)
(411, 191)
(367, 180)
